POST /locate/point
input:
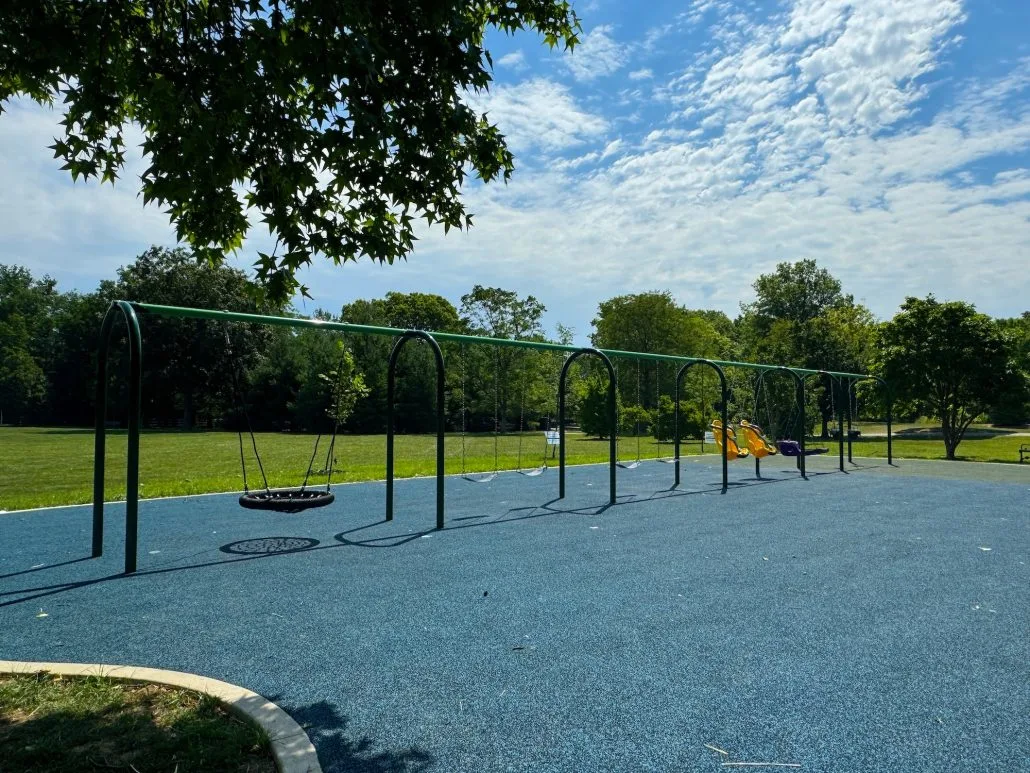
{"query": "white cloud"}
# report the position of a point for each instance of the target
(53, 225)
(791, 142)
(538, 114)
(597, 55)
(611, 149)
(808, 133)
(865, 68)
(516, 61)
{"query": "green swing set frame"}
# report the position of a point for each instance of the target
(131, 312)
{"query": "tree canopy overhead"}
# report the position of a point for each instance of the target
(339, 122)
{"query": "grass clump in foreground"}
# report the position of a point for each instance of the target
(79, 724)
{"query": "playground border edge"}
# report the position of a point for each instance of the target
(291, 747)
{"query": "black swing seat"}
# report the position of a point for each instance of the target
(288, 500)
(793, 448)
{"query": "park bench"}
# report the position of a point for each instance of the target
(1024, 453)
(852, 433)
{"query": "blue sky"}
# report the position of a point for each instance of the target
(685, 146)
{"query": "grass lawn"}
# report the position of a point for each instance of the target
(80, 724)
(51, 466)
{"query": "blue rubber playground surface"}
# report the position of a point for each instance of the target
(870, 621)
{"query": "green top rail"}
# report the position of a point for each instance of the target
(184, 312)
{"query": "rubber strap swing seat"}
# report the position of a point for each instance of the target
(470, 477)
(531, 472)
(657, 413)
(636, 429)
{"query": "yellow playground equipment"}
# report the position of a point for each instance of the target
(726, 436)
(757, 443)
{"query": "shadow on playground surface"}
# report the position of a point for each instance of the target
(870, 621)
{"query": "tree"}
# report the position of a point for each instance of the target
(342, 122)
(948, 358)
(592, 403)
(798, 292)
(72, 367)
(22, 385)
(802, 317)
(501, 375)
(654, 322)
(1013, 407)
(26, 313)
(186, 367)
(416, 383)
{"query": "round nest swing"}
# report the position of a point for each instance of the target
(292, 500)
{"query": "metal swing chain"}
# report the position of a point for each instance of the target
(657, 405)
(559, 360)
(497, 407)
(833, 408)
(241, 409)
(522, 411)
(636, 418)
(462, 358)
(330, 460)
(704, 409)
(618, 411)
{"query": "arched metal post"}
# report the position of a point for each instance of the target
(799, 425)
(890, 410)
(799, 396)
(125, 309)
(725, 418)
(848, 394)
(612, 419)
(440, 420)
(834, 384)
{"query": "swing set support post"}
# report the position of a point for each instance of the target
(890, 411)
(391, 379)
(612, 418)
(680, 374)
(850, 392)
(836, 384)
(126, 310)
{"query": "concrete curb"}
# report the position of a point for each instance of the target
(291, 747)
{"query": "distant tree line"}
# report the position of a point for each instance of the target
(943, 359)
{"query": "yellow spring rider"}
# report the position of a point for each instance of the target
(728, 438)
(757, 443)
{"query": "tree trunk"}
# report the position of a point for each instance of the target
(948, 432)
(187, 409)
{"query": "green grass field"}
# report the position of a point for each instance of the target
(51, 466)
